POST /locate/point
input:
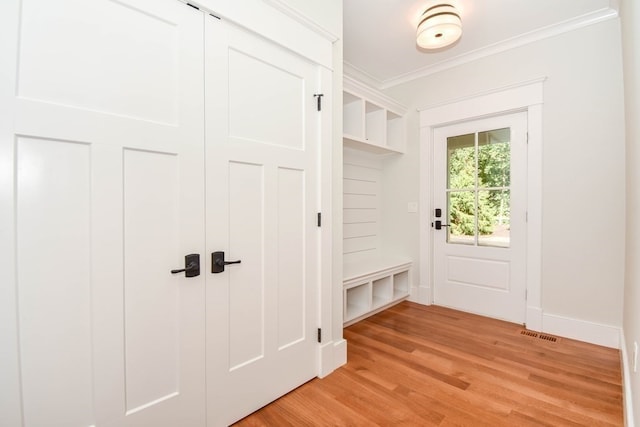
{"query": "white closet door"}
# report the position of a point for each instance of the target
(262, 132)
(109, 198)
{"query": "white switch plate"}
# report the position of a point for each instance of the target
(412, 207)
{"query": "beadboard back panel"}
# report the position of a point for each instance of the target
(362, 177)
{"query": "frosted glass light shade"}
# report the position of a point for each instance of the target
(439, 26)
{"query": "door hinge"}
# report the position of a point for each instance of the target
(319, 335)
(319, 219)
(319, 97)
(527, 137)
(526, 295)
(526, 216)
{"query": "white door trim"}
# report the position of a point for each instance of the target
(10, 401)
(528, 97)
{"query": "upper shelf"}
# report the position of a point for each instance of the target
(369, 123)
(356, 143)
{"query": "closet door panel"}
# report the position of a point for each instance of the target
(54, 299)
(262, 144)
(108, 56)
(109, 141)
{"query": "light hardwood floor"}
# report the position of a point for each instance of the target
(414, 365)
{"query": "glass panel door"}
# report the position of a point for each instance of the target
(479, 193)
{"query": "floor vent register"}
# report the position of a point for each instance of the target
(544, 337)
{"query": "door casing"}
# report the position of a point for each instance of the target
(528, 97)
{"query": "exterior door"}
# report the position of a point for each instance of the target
(262, 132)
(109, 193)
(479, 220)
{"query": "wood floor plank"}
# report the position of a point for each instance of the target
(415, 365)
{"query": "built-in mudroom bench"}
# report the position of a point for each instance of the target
(373, 285)
(373, 278)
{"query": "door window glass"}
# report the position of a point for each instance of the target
(478, 188)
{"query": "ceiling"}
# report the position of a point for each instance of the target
(379, 35)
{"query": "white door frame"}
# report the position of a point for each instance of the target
(527, 97)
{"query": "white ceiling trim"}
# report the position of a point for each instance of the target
(550, 31)
(303, 19)
(360, 75)
(358, 87)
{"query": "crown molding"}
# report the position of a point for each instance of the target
(572, 24)
(357, 87)
(514, 42)
(303, 19)
(360, 75)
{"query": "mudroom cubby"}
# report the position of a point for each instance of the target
(371, 122)
(373, 285)
(373, 278)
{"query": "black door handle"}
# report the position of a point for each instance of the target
(439, 225)
(192, 266)
(218, 262)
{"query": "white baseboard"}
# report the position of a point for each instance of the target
(340, 353)
(627, 397)
(332, 356)
(582, 330)
(538, 320)
(413, 294)
(424, 295)
(534, 318)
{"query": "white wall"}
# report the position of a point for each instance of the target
(630, 14)
(400, 228)
(583, 162)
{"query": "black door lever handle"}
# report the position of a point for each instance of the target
(221, 263)
(439, 225)
(218, 262)
(192, 266)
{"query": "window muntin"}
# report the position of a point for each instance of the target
(478, 188)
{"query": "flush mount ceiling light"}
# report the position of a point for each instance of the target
(439, 26)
